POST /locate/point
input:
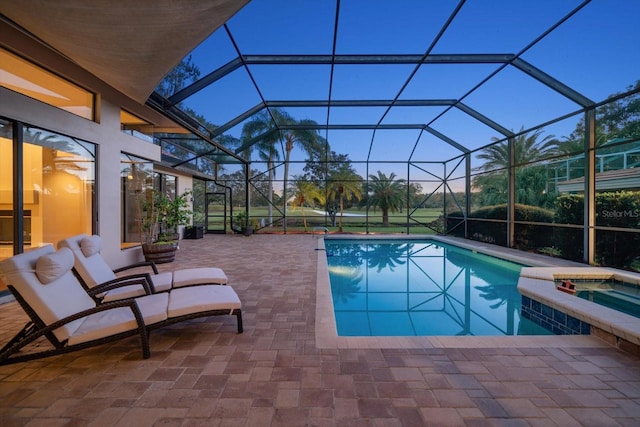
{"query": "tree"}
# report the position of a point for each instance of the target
(527, 147)
(264, 126)
(319, 166)
(305, 192)
(327, 173)
(306, 139)
(386, 193)
(261, 126)
(621, 118)
(530, 179)
(618, 119)
(343, 185)
(185, 72)
(415, 195)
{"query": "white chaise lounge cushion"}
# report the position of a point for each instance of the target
(110, 322)
(199, 276)
(194, 299)
(53, 301)
(161, 282)
(94, 270)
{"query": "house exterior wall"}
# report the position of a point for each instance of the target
(110, 142)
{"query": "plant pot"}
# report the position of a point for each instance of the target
(160, 253)
(194, 232)
(247, 231)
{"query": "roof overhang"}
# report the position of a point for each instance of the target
(129, 45)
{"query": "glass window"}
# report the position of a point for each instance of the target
(135, 126)
(6, 192)
(58, 174)
(58, 185)
(28, 79)
(136, 175)
(166, 184)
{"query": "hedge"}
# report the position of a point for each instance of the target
(526, 236)
(613, 209)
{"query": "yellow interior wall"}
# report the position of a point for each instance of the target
(60, 201)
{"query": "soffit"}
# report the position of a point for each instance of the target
(128, 45)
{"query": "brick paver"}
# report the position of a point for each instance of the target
(202, 373)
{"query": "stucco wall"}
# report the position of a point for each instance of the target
(111, 142)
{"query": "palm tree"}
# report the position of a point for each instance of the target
(305, 192)
(387, 193)
(261, 125)
(307, 139)
(530, 179)
(265, 126)
(344, 185)
(528, 147)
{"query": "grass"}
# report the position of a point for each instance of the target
(350, 224)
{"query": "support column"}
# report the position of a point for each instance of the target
(511, 192)
(247, 198)
(409, 207)
(589, 244)
(467, 194)
(444, 197)
(18, 189)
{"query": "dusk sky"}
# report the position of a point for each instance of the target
(595, 52)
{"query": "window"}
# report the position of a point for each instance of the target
(137, 177)
(135, 126)
(58, 188)
(59, 183)
(28, 79)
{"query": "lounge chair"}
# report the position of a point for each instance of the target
(63, 312)
(92, 270)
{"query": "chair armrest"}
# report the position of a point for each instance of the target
(35, 329)
(143, 280)
(139, 264)
(140, 276)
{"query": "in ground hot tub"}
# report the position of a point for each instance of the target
(600, 301)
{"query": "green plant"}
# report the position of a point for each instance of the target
(550, 251)
(635, 265)
(615, 211)
(242, 221)
(198, 218)
(160, 216)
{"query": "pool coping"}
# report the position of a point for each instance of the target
(327, 335)
(539, 284)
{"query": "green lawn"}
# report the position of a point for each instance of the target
(353, 224)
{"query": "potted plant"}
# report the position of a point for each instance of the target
(159, 221)
(245, 224)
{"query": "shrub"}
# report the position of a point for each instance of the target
(527, 236)
(613, 209)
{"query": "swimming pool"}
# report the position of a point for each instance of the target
(423, 288)
(616, 294)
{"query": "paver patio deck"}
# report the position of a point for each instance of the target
(201, 373)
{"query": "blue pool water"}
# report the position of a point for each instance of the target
(615, 294)
(423, 288)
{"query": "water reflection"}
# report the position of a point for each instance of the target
(422, 288)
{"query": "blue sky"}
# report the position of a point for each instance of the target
(594, 52)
